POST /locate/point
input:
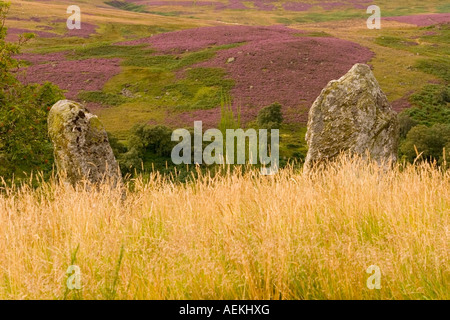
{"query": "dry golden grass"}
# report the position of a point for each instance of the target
(237, 236)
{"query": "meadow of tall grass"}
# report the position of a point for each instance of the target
(240, 235)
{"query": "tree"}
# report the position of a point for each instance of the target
(270, 117)
(430, 141)
(406, 123)
(24, 143)
(153, 139)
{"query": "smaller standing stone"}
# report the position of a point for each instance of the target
(81, 145)
(352, 114)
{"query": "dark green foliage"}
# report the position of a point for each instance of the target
(150, 147)
(147, 145)
(7, 51)
(24, 143)
(116, 146)
(129, 161)
(430, 141)
(270, 117)
(405, 124)
(154, 139)
(431, 105)
(426, 125)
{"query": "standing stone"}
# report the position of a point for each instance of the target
(81, 145)
(352, 114)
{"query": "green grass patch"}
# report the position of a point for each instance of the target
(316, 34)
(101, 97)
(51, 45)
(431, 45)
(395, 42)
(123, 5)
(107, 50)
(159, 91)
(116, 32)
(120, 119)
(431, 105)
(147, 81)
(99, 44)
(201, 89)
(439, 67)
(429, 41)
(284, 21)
(165, 14)
(292, 142)
(443, 8)
(331, 16)
(169, 62)
(404, 11)
(142, 56)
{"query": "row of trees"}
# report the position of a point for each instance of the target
(151, 146)
(424, 133)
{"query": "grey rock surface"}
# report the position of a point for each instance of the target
(353, 115)
(81, 146)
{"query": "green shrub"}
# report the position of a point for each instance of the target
(270, 117)
(430, 141)
(431, 105)
(116, 146)
(153, 139)
(405, 124)
(24, 142)
(129, 162)
(147, 146)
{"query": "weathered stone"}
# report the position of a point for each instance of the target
(352, 114)
(81, 145)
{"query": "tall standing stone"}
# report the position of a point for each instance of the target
(352, 114)
(81, 145)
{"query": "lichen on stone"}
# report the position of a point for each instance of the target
(353, 115)
(81, 145)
